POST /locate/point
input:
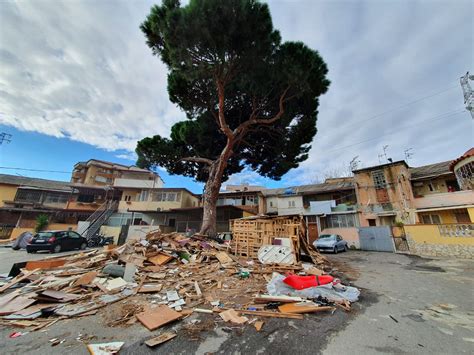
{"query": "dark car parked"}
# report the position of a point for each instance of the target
(56, 241)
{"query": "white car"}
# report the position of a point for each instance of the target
(330, 242)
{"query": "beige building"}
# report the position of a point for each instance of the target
(101, 173)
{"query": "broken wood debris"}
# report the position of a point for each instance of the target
(158, 280)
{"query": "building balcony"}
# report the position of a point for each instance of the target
(448, 199)
(138, 183)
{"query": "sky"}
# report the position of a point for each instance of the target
(77, 81)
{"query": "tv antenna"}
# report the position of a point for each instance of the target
(354, 163)
(408, 153)
(468, 93)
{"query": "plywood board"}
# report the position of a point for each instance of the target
(44, 264)
(85, 279)
(16, 305)
(150, 288)
(160, 259)
(157, 317)
(160, 339)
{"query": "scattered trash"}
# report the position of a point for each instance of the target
(17, 334)
(393, 318)
(105, 348)
(258, 325)
(167, 276)
(160, 339)
(232, 316)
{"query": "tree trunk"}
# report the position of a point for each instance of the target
(209, 200)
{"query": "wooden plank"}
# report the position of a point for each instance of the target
(17, 279)
(15, 305)
(271, 314)
(150, 288)
(155, 318)
(85, 279)
(160, 339)
(160, 259)
(302, 308)
(44, 264)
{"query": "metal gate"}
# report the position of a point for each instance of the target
(376, 238)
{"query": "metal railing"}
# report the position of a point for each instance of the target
(456, 230)
(99, 217)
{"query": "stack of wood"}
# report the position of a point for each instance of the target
(250, 234)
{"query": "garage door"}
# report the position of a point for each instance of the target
(376, 238)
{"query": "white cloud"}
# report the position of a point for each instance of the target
(82, 70)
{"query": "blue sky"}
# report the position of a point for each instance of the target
(77, 81)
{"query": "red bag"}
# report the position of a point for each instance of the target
(302, 282)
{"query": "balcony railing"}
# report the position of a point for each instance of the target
(446, 199)
(456, 230)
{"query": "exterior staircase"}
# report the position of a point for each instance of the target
(98, 218)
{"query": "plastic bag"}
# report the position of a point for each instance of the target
(276, 287)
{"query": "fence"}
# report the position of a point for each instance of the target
(456, 230)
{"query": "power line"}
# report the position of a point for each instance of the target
(403, 105)
(435, 118)
(39, 170)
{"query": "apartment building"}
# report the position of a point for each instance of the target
(102, 173)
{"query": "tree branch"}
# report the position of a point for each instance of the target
(222, 122)
(243, 127)
(198, 160)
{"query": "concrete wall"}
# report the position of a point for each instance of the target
(448, 199)
(53, 226)
(7, 192)
(111, 232)
(425, 239)
(440, 185)
(284, 208)
(350, 235)
(470, 211)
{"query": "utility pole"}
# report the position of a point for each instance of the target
(5, 137)
(468, 93)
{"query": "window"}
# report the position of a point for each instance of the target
(157, 196)
(100, 179)
(28, 196)
(464, 175)
(271, 203)
(341, 221)
(430, 219)
(85, 198)
(55, 198)
(178, 196)
(143, 195)
(171, 197)
(291, 203)
(379, 179)
(433, 186)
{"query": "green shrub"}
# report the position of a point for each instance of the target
(42, 222)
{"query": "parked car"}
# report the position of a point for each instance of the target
(56, 241)
(330, 242)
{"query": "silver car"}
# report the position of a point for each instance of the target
(330, 242)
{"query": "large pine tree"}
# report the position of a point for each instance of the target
(250, 99)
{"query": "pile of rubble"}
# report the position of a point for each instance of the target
(164, 278)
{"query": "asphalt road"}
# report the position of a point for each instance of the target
(408, 305)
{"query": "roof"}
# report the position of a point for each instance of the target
(34, 182)
(117, 166)
(310, 189)
(376, 167)
(468, 154)
(430, 171)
